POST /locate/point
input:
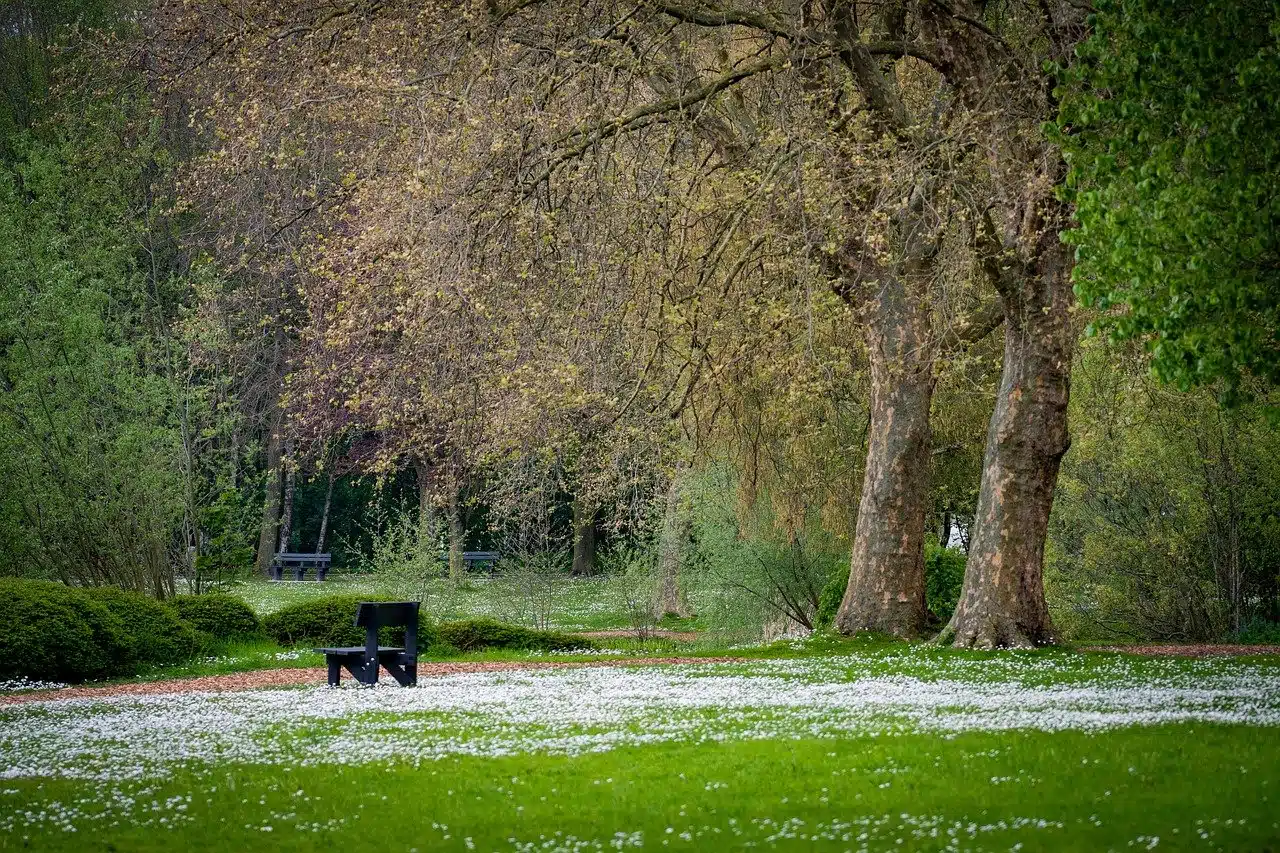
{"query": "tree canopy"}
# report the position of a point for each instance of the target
(1170, 122)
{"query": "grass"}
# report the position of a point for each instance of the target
(1192, 788)
(866, 745)
(578, 604)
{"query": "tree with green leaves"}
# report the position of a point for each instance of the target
(1170, 122)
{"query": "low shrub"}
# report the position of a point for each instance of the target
(474, 634)
(156, 634)
(329, 622)
(1260, 632)
(943, 577)
(830, 597)
(52, 632)
(222, 616)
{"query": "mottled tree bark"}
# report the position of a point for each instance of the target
(271, 503)
(584, 539)
(1002, 601)
(324, 516)
(886, 573)
(672, 551)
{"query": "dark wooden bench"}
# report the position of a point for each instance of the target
(363, 661)
(299, 563)
(477, 558)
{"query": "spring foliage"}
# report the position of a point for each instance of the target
(1171, 126)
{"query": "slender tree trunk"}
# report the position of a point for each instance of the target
(584, 539)
(324, 516)
(673, 550)
(944, 538)
(290, 487)
(1002, 602)
(271, 503)
(426, 504)
(457, 532)
(886, 573)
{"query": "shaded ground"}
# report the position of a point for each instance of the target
(317, 675)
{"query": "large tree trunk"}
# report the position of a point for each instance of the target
(886, 572)
(324, 516)
(290, 488)
(271, 503)
(584, 539)
(673, 548)
(1002, 601)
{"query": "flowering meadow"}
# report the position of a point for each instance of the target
(904, 747)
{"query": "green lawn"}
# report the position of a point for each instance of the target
(578, 604)
(843, 747)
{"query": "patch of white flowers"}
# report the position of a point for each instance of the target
(21, 683)
(573, 711)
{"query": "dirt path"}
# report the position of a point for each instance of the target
(314, 676)
(1187, 650)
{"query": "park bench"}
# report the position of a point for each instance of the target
(472, 559)
(363, 661)
(480, 558)
(299, 563)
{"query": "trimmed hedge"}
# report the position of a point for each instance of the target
(49, 630)
(474, 634)
(223, 616)
(328, 622)
(156, 634)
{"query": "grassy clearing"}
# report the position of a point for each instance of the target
(580, 604)
(881, 747)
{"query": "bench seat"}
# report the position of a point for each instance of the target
(360, 650)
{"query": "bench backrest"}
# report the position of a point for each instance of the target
(393, 614)
(292, 557)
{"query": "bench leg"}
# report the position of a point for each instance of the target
(406, 675)
(335, 670)
(298, 573)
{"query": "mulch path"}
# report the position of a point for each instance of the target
(314, 676)
(1188, 650)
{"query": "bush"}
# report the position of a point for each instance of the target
(156, 635)
(329, 622)
(50, 631)
(1260, 632)
(221, 615)
(474, 634)
(943, 578)
(830, 597)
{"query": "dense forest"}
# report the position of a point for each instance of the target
(932, 319)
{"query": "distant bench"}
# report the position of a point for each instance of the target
(477, 558)
(299, 563)
(363, 661)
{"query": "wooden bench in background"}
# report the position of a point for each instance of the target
(363, 661)
(299, 563)
(478, 558)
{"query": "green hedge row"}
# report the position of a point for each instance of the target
(329, 622)
(51, 631)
